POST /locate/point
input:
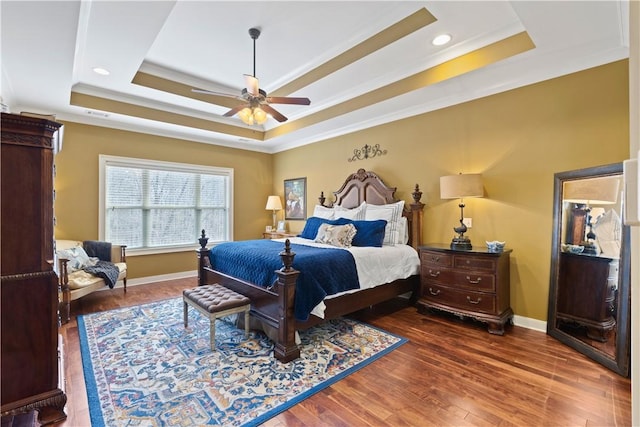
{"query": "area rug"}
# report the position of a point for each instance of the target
(143, 368)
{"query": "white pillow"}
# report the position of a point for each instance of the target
(392, 213)
(323, 212)
(355, 214)
(78, 258)
(336, 235)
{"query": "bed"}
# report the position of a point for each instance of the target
(274, 306)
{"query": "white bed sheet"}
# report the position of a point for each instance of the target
(375, 266)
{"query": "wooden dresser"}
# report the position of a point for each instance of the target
(32, 377)
(472, 283)
(586, 293)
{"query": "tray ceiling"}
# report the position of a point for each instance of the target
(361, 63)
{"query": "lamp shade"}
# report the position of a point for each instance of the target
(274, 203)
(461, 186)
(593, 191)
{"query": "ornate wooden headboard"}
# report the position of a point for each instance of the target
(366, 186)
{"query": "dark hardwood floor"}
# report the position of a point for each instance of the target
(450, 373)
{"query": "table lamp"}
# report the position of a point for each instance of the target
(274, 204)
(588, 192)
(459, 187)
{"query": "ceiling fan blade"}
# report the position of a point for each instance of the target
(234, 110)
(252, 84)
(288, 100)
(273, 112)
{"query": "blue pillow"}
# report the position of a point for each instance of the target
(313, 223)
(369, 233)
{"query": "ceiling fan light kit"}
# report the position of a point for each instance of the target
(252, 115)
(256, 108)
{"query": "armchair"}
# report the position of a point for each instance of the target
(75, 282)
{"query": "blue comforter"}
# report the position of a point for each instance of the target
(322, 271)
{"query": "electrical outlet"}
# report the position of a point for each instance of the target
(468, 222)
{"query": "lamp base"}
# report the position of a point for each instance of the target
(461, 243)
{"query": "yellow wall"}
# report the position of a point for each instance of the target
(76, 184)
(517, 140)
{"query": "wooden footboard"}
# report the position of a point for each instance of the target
(273, 306)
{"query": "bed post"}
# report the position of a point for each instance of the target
(416, 218)
(286, 348)
(203, 258)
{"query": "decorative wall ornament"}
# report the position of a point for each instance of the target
(366, 152)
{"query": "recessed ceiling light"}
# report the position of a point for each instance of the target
(441, 39)
(101, 71)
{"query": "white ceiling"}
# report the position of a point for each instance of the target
(49, 49)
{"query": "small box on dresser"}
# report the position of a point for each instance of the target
(471, 283)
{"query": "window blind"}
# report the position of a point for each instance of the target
(154, 205)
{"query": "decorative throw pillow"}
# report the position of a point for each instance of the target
(357, 213)
(369, 233)
(392, 213)
(323, 212)
(310, 230)
(336, 235)
(78, 258)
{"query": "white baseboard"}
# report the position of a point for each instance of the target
(529, 323)
(158, 278)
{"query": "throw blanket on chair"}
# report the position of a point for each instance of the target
(105, 270)
(323, 271)
(98, 249)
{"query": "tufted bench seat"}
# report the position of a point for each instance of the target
(215, 301)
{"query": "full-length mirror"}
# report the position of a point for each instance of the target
(589, 298)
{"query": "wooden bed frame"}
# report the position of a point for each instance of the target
(274, 306)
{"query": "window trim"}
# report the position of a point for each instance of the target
(107, 160)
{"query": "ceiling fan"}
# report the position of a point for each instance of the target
(256, 105)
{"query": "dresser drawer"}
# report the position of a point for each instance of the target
(474, 263)
(462, 299)
(470, 280)
(436, 258)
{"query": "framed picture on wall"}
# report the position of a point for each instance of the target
(295, 195)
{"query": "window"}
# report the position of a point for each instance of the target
(154, 206)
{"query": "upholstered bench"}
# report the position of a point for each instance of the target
(215, 301)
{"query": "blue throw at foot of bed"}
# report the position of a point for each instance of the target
(323, 271)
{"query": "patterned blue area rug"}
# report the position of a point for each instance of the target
(143, 368)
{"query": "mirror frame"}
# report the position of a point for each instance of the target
(620, 363)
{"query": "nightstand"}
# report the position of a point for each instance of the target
(277, 235)
(473, 283)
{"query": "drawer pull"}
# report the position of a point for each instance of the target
(435, 259)
(434, 274)
(436, 292)
(475, 282)
(472, 301)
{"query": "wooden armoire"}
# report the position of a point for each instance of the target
(31, 359)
